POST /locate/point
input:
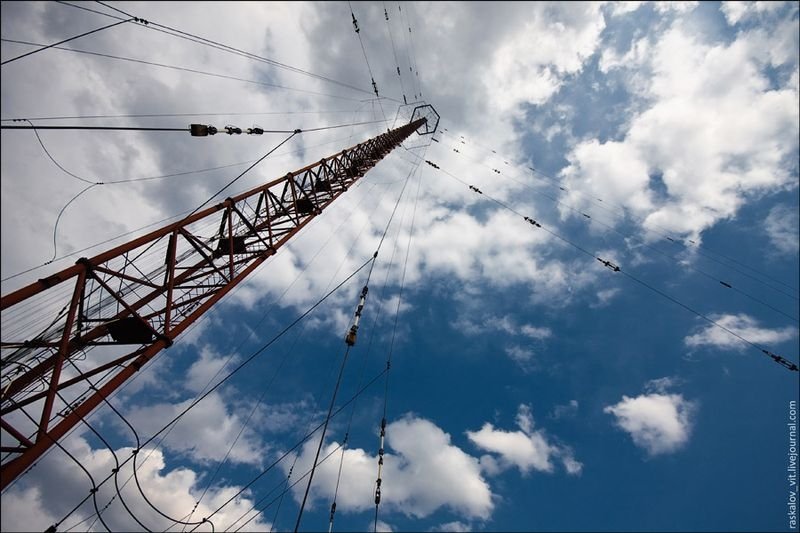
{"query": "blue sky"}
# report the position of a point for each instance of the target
(531, 388)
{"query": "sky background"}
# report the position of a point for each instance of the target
(531, 388)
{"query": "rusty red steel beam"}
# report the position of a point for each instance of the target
(188, 274)
(281, 219)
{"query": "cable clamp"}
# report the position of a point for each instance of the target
(532, 222)
(609, 264)
(781, 360)
(201, 130)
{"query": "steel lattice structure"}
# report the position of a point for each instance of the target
(114, 303)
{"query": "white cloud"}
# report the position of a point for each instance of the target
(532, 70)
(423, 472)
(508, 327)
(505, 324)
(455, 527)
(381, 526)
(741, 324)
(565, 411)
(24, 511)
(657, 423)
(205, 371)
(735, 11)
(622, 7)
(56, 485)
(783, 229)
(204, 432)
(661, 385)
(635, 56)
(527, 449)
(714, 131)
(605, 296)
(680, 6)
(740, 11)
(536, 332)
(524, 357)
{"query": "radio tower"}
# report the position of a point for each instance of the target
(137, 298)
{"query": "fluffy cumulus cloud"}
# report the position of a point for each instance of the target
(51, 489)
(526, 70)
(202, 432)
(741, 324)
(207, 369)
(423, 472)
(700, 147)
(658, 422)
(527, 448)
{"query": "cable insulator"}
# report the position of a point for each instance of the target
(532, 222)
(350, 339)
(609, 264)
(201, 130)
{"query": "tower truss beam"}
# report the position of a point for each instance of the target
(137, 298)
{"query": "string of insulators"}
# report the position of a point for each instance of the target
(379, 479)
(336, 492)
(333, 512)
(350, 339)
(786, 363)
(608, 264)
(532, 222)
(781, 360)
(203, 130)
